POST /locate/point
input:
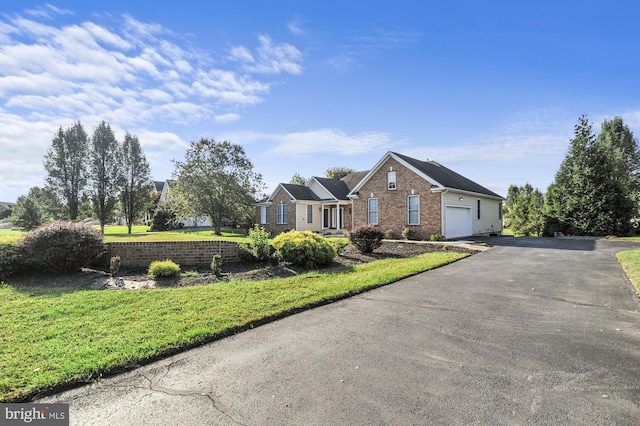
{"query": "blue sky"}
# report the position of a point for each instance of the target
(491, 90)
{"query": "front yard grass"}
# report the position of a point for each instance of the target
(630, 261)
(52, 337)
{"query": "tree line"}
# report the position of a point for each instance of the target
(93, 176)
(596, 190)
(89, 176)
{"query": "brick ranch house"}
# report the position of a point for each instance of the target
(398, 192)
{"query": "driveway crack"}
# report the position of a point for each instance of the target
(154, 387)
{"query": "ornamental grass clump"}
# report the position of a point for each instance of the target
(164, 268)
(304, 248)
(62, 247)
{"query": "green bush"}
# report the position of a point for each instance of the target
(216, 264)
(366, 238)
(258, 248)
(164, 219)
(436, 237)
(11, 258)
(304, 248)
(409, 234)
(62, 247)
(164, 268)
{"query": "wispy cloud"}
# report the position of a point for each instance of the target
(358, 45)
(320, 141)
(133, 74)
(269, 58)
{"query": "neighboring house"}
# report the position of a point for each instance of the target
(6, 205)
(321, 205)
(165, 197)
(399, 193)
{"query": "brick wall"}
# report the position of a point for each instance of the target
(191, 253)
(392, 204)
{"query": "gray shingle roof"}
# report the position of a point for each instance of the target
(446, 177)
(300, 192)
(352, 179)
(337, 188)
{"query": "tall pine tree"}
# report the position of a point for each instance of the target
(593, 190)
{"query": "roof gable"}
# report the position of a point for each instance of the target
(440, 176)
(296, 192)
(337, 188)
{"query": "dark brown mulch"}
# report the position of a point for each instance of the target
(348, 256)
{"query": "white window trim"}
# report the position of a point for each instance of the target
(282, 218)
(409, 210)
(392, 184)
(369, 211)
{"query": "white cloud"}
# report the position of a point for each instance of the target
(321, 141)
(271, 58)
(132, 74)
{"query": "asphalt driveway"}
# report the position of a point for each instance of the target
(543, 331)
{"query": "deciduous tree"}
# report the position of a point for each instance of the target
(137, 186)
(217, 180)
(105, 172)
(298, 179)
(65, 163)
(338, 172)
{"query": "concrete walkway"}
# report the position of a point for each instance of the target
(543, 331)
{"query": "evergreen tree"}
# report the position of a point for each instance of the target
(523, 210)
(65, 163)
(137, 187)
(39, 206)
(593, 190)
(105, 173)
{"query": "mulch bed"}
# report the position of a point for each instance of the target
(348, 256)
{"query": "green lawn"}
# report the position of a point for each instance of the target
(139, 233)
(630, 261)
(51, 337)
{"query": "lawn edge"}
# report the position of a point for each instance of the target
(121, 369)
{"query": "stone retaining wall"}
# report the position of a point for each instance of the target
(191, 253)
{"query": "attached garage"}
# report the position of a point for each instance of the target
(457, 222)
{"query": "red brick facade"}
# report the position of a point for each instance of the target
(281, 197)
(392, 204)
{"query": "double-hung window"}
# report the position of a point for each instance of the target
(391, 180)
(372, 209)
(264, 215)
(283, 214)
(309, 213)
(413, 210)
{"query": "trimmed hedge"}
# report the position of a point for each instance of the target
(62, 247)
(304, 248)
(11, 258)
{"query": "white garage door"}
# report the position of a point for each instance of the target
(458, 222)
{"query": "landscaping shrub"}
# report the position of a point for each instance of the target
(163, 268)
(366, 238)
(436, 237)
(409, 234)
(304, 248)
(164, 218)
(11, 259)
(258, 248)
(390, 234)
(216, 264)
(62, 247)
